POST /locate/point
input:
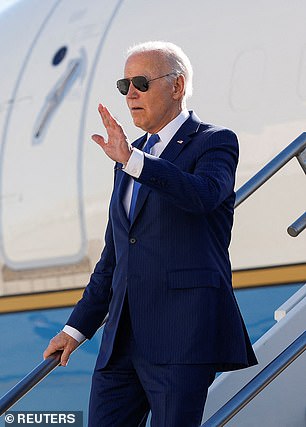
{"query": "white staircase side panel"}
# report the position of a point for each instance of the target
(283, 402)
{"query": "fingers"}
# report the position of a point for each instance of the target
(99, 140)
(61, 341)
(49, 350)
(110, 124)
(107, 119)
(54, 345)
(65, 356)
(117, 146)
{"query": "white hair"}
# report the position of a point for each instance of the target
(177, 59)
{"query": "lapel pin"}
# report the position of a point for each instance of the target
(180, 141)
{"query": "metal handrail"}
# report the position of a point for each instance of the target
(258, 383)
(43, 369)
(295, 149)
(292, 150)
(29, 381)
(298, 226)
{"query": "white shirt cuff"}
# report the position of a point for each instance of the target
(135, 164)
(74, 333)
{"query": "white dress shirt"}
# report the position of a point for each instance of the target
(134, 168)
(135, 164)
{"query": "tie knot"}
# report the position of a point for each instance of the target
(151, 141)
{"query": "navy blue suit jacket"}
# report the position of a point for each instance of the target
(172, 260)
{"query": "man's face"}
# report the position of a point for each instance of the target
(153, 109)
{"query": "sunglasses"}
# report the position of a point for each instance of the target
(139, 82)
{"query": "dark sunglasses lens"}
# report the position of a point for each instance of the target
(140, 83)
(123, 86)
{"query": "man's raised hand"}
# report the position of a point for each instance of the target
(117, 146)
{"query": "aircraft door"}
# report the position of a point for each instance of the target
(42, 219)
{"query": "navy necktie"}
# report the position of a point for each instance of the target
(147, 149)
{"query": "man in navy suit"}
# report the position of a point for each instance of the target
(164, 275)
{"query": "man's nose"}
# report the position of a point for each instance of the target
(132, 92)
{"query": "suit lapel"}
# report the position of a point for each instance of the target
(180, 139)
(122, 180)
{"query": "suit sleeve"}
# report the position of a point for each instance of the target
(90, 311)
(211, 180)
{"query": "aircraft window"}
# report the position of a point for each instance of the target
(59, 56)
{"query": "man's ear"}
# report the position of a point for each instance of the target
(179, 87)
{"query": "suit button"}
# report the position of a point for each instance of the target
(133, 240)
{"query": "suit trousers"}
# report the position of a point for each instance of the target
(124, 392)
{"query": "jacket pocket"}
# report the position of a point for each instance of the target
(188, 279)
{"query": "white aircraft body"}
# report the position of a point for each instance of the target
(60, 58)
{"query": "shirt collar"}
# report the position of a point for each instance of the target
(167, 132)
